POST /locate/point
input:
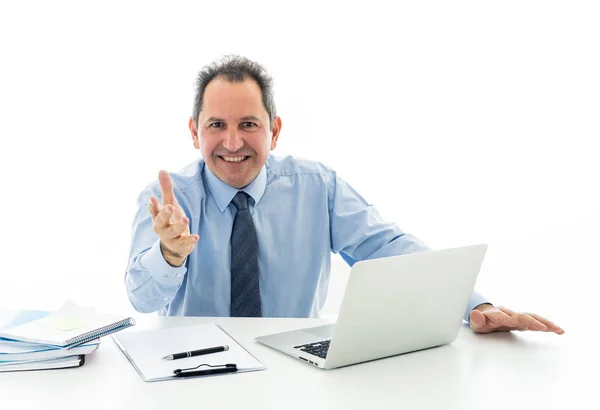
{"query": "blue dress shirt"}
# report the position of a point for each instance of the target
(302, 212)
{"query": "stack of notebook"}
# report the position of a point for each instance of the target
(35, 340)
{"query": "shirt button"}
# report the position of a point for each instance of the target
(165, 298)
(178, 275)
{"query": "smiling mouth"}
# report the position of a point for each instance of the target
(237, 159)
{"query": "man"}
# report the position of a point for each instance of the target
(244, 233)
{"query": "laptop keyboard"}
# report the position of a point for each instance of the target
(318, 349)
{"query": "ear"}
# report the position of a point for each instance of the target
(275, 132)
(194, 132)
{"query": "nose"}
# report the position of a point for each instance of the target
(233, 140)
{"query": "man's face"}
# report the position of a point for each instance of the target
(233, 131)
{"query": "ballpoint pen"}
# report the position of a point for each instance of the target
(193, 353)
(216, 369)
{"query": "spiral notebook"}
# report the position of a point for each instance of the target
(69, 326)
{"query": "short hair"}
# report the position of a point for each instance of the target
(235, 69)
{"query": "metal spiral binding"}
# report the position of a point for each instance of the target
(103, 331)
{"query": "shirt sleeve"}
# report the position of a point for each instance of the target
(358, 232)
(150, 281)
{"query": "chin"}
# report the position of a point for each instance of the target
(236, 182)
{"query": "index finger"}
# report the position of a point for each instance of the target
(551, 326)
(498, 317)
(166, 188)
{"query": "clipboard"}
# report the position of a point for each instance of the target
(145, 350)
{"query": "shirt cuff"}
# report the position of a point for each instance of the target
(475, 300)
(154, 263)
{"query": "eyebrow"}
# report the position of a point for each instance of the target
(249, 118)
(214, 119)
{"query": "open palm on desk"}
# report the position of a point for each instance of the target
(487, 319)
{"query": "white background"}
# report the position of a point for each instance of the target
(463, 122)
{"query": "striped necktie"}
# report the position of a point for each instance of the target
(245, 292)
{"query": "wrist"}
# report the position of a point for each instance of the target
(172, 258)
(483, 306)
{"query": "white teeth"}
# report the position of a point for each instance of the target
(233, 159)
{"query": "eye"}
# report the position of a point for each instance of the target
(217, 124)
(248, 124)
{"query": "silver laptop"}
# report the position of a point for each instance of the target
(391, 306)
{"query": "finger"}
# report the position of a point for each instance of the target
(166, 188)
(507, 310)
(178, 212)
(481, 324)
(478, 323)
(552, 327)
(178, 228)
(498, 318)
(502, 316)
(526, 322)
(187, 240)
(163, 219)
(183, 244)
(153, 207)
(477, 320)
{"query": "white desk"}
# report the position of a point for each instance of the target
(526, 370)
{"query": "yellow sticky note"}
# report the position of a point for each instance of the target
(66, 323)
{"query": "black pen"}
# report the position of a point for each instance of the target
(226, 368)
(200, 352)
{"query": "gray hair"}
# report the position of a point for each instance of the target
(235, 69)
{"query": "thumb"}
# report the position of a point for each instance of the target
(477, 319)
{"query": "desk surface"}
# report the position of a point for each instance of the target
(508, 370)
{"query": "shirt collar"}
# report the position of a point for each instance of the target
(223, 193)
